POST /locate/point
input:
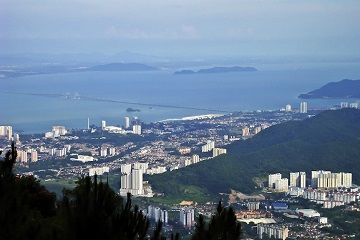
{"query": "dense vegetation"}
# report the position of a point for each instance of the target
(343, 89)
(92, 210)
(329, 141)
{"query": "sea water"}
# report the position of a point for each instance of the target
(270, 88)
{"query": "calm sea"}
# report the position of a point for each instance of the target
(271, 88)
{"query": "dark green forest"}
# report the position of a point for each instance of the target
(92, 210)
(329, 141)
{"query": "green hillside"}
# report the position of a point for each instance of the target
(329, 141)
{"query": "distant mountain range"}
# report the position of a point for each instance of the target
(342, 89)
(53, 69)
(328, 141)
(218, 70)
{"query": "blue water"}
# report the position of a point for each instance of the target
(270, 88)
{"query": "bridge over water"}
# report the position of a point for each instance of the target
(76, 96)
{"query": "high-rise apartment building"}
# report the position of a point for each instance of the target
(103, 152)
(288, 108)
(136, 125)
(6, 131)
(298, 179)
(344, 104)
(131, 180)
(253, 205)
(303, 107)
(208, 146)
(156, 214)
(195, 158)
(16, 138)
(354, 105)
(272, 179)
(112, 151)
(59, 130)
(127, 122)
(294, 179)
(23, 156)
(137, 129)
(218, 151)
(327, 179)
(282, 185)
(187, 217)
(140, 165)
(246, 131)
(258, 129)
(346, 179)
(302, 180)
(272, 230)
(34, 155)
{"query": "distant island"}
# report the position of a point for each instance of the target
(133, 110)
(218, 70)
(343, 89)
(122, 67)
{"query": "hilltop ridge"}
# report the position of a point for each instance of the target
(343, 89)
(330, 140)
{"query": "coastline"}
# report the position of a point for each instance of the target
(196, 117)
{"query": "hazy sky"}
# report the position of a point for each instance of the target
(186, 27)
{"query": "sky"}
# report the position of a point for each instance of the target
(186, 27)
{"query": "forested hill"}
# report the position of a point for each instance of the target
(343, 89)
(329, 141)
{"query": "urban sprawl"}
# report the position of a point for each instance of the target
(169, 145)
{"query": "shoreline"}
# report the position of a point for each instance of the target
(196, 117)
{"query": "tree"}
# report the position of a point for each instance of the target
(26, 207)
(223, 225)
(92, 210)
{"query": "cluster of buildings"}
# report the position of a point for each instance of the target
(330, 199)
(349, 105)
(278, 183)
(272, 230)
(56, 131)
(25, 156)
(327, 189)
(132, 180)
(320, 179)
(157, 214)
(135, 124)
(107, 151)
(194, 159)
(210, 145)
(98, 171)
(187, 217)
(303, 108)
(327, 179)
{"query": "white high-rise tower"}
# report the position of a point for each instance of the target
(303, 107)
(127, 122)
